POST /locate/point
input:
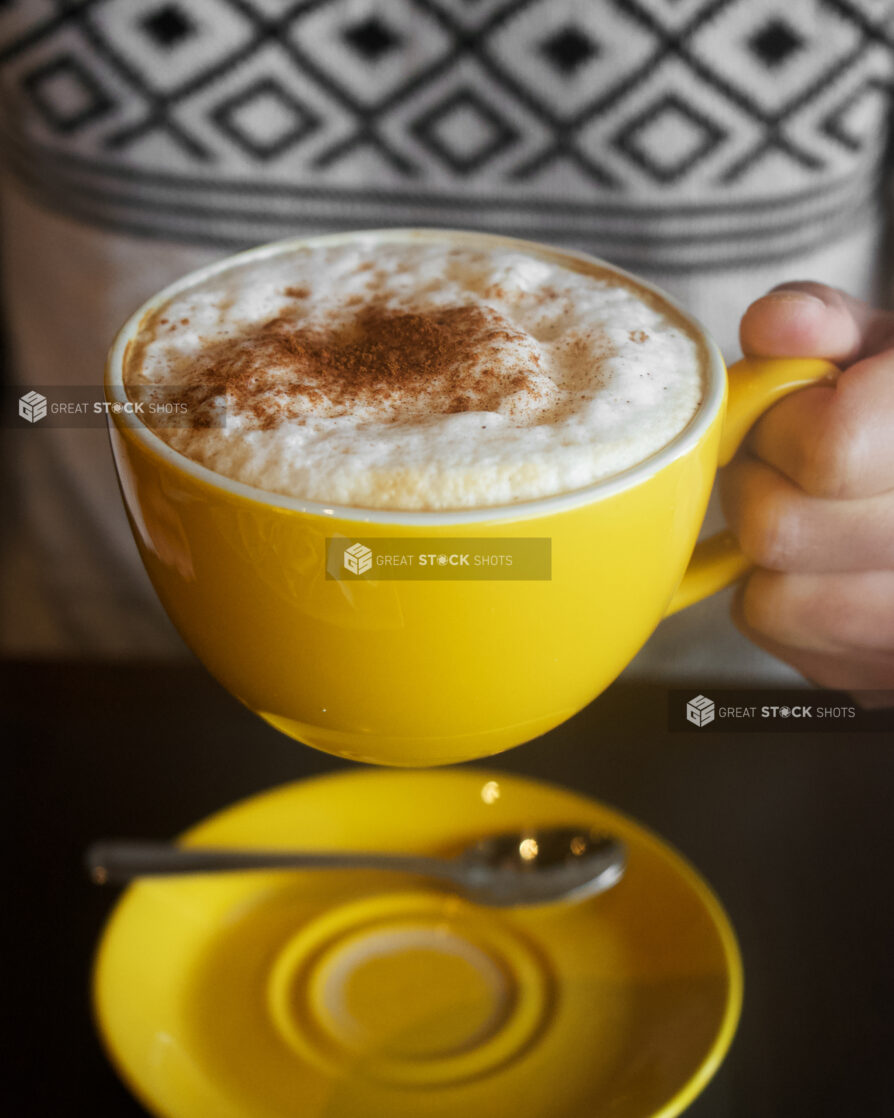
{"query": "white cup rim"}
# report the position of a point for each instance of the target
(679, 446)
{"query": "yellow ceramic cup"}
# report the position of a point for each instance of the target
(427, 672)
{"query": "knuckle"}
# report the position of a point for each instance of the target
(769, 532)
(830, 465)
(764, 608)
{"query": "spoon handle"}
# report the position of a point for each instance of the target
(120, 860)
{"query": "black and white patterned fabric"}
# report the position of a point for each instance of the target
(671, 134)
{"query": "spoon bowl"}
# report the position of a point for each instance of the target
(540, 866)
(528, 867)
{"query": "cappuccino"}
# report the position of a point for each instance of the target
(419, 372)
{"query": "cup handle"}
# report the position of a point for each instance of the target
(755, 384)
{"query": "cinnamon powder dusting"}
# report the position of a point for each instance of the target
(403, 364)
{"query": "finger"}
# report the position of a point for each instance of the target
(804, 319)
(784, 529)
(828, 613)
(837, 630)
(835, 440)
(868, 677)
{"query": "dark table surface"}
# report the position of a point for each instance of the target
(795, 832)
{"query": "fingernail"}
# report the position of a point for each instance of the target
(794, 298)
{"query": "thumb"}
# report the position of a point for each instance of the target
(813, 320)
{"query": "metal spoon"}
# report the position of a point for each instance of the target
(520, 868)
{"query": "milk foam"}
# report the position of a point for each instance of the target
(572, 378)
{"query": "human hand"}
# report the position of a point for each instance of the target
(811, 495)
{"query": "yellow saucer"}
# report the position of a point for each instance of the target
(335, 994)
